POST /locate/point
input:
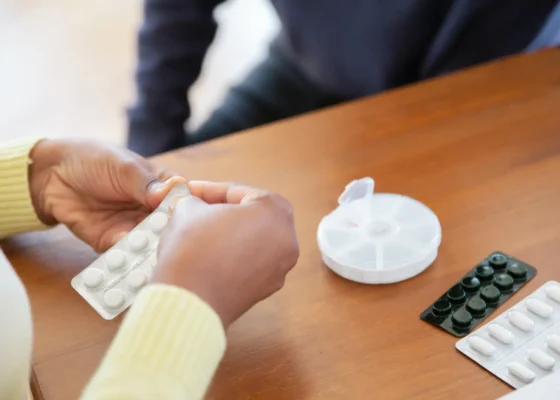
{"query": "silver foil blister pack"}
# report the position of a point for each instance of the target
(112, 281)
(522, 345)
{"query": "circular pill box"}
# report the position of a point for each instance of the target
(378, 238)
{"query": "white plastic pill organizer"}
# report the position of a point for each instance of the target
(110, 283)
(522, 344)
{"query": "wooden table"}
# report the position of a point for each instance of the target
(481, 148)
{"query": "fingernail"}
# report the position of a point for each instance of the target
(156, 186)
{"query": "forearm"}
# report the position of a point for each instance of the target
(172, 42)
(168, 347)
(17, 213)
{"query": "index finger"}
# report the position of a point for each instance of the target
(223, 192)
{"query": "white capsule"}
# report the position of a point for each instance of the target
(553, 342)
(553, 292)
(158, 221)
(521, 372)
(114, 298)
(521, 321)
(539, 307)
(137, 279)
(137, 240)
(92, 277)
(501, 334)
(482, 346)
(541, 359)
(115, 259)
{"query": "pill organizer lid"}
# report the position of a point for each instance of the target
(378, 238)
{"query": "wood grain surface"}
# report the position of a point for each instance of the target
(481, 148)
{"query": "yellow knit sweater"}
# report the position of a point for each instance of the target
(167, 347)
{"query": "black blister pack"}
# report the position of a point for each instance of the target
(478, 294)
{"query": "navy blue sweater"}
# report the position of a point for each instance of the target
(350, 48)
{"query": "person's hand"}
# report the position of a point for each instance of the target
(99, 191)
(231, 245)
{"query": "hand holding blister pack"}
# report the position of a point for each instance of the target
(111, 282)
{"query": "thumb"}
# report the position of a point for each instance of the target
(139, 182)
(136, 181)
(157, 190)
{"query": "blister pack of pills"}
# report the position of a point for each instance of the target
(522, 344)
(111, 282)
(478, 294)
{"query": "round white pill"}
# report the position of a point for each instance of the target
(158, 221)
(137, 240)
(500, 333)
(521, 321)
(553, 342)
(137, 279)
(539, 307)
(540, 358)
(521, 372)
(115, 259)
(482, 346)
(553, 292)
(114, 298)
(92, 277)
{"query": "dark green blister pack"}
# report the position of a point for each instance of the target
(478, 294)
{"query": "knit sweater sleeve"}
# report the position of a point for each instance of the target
(16, 209)
(168, 347)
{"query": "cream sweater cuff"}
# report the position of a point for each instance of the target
(16, 209)
(168, 346)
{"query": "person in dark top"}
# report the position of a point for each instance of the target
(328, 51)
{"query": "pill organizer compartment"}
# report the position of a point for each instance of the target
(526, 347)
(378, 238)
(478, 294)
(111, 282)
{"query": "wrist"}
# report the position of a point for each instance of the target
(199, 287)
(44, 156)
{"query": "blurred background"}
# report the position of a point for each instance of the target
(67, 66)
